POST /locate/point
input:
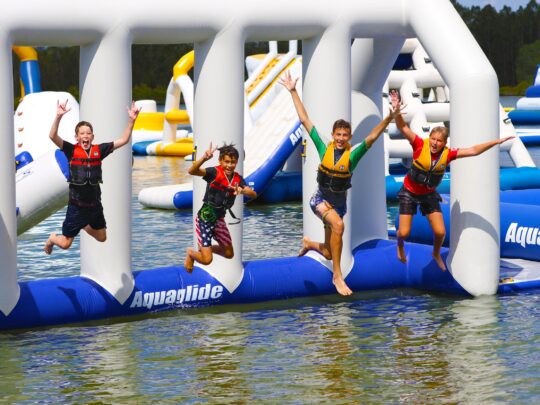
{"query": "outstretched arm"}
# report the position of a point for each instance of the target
(395, 111)
(53, 134)
(480, 148)
(195, 169)
(133, 113)
(290, 84)
(400, 122)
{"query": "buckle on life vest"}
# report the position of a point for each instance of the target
(207, 213)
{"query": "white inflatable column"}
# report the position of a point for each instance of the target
(474, 117)
(105, 86)
(327, 97)
(9, 289)
(372, 61)
(219, 101)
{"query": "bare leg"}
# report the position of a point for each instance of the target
(226, 251)
(63, 242)
(405, 222)
(203, 256)
(322, 248)
(439, 232)
(189, 262)
(336, 246)
(98, 234)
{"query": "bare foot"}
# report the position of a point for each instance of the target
(439, 261)
(401, 253)
(48, 248)
(305, 246)
(189, 262)
(341, 287)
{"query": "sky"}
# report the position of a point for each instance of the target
(497, 4)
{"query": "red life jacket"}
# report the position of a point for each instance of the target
(85, 168)
(220, 192)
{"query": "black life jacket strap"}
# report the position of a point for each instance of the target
(236, 220)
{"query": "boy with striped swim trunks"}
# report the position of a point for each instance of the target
(224, 184)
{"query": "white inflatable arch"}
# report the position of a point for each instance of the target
(106, 30)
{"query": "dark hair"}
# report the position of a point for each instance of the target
(341, 124)
(83, 124)
(228, 150)
(441, 130)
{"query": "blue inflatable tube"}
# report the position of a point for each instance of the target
(531, 140)
(532, 91)
(30, 76)
(77, 299)
(519, 230)
(529, 196)
(525, 117)
(513, 178)
(139, 148)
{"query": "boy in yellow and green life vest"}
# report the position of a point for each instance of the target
(338, 160)
(431, 157)
(224, 184)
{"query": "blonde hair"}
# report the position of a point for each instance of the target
(441, 130)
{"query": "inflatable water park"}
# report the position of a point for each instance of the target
(276, 176)
(365, 38)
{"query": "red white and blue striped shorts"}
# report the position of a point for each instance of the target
(208, 230)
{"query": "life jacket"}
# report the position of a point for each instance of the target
(335, 177)
(427, 172)
(219, 192)
(85, 168)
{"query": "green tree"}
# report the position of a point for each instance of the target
(527, 61)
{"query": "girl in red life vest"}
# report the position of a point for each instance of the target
(430, 159)
(84, 209)
(224, 184)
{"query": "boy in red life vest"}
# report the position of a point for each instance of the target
(430, 159)
(84, 209)
(224, 184)
(338, 160)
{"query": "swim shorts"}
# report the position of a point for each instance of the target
(317, 199)
(78, 217)
(409, 202)
(208, 230)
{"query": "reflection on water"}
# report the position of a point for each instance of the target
(378, 347)
(385, 347)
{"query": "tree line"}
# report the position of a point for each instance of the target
(510, 39)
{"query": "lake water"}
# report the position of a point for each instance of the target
(399, 346)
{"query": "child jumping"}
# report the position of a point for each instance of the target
(224, 184)
(338, 160)
(430, 159)
(84, 210)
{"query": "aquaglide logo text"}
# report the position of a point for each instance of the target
(192, 293)
(523, 235)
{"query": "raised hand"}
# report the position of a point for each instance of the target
(133, 111)
(502, 140)
(61, 108)
(287, 81)
(238, 190)
(210, 152)
(396, 106)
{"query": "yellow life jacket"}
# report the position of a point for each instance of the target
(335, 177)
(424, 171)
